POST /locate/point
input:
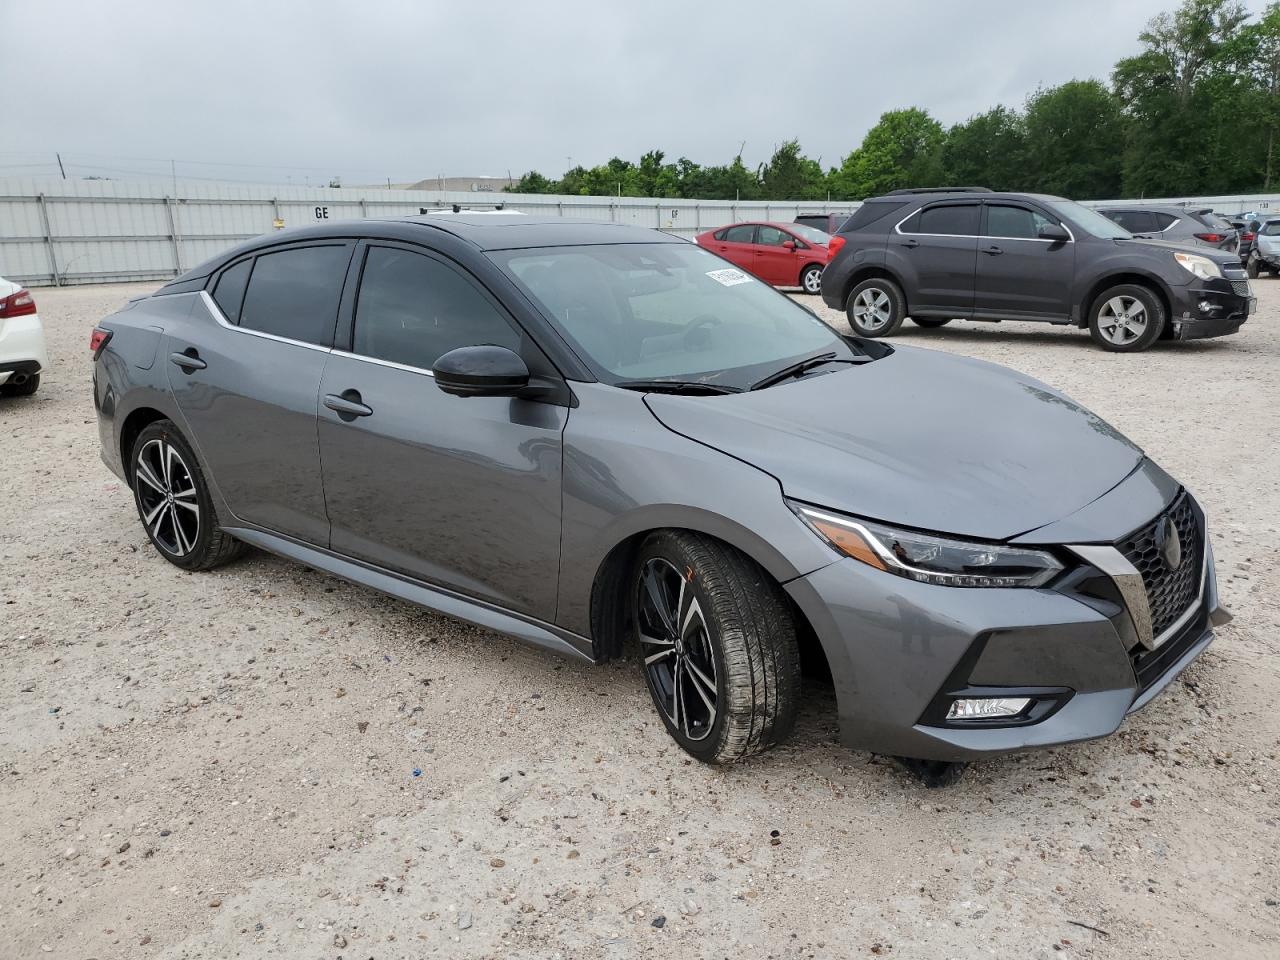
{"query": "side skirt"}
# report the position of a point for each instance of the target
(526, 629)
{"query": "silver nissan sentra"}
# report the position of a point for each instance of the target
(597, 438)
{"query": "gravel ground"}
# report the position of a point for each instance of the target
(264, 761)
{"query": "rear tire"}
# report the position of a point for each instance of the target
(876, 308)
(929, 323)
(25, 389)
(718, 646)
(1251, 268)
(811, 279)
(173, 500)
(1127, 318)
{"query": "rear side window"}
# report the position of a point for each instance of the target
(1164, 220)
(953, 219)
(229, 293)
(295, 293)
(742, 234)
(870, 212)
(1135, 221)
(1017, 223)
(412, 308)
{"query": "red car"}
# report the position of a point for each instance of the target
(783, 254)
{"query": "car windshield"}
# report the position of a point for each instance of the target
(1271, 229)
(811, 234)
(668, 311)
(1090, 220)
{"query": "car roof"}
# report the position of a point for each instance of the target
(974, 195)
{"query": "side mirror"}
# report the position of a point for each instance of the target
(1053, 231)
(482, 371)
(788, 244)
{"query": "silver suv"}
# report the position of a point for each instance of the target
(1265, 257)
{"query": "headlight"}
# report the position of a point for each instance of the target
(930, 559)
(1202, 267)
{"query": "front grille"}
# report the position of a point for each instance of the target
(1169, 592)
(1242, 288)
(1150, 665)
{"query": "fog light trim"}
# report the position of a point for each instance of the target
(987, 708)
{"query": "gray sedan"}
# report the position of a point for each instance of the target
(599, 439)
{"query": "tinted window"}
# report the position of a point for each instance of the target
(1164, 220)
(869, 213)
(1018, 223)
(412, 308)
(773, 237)
(955, 219)
(229, 293)
(1135, 221)
(742, 234)
(295, 293)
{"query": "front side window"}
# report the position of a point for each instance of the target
(1090, 221)
(667, 311)
(295, 293)
(744, 233)
(1271, 228)
(1014, 223)
(229, 293)
(773, 237)
(412, 308)
(956, 219)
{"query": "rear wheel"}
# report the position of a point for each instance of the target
(24, 389)
(929, 323)
(876, 308)
(1126, 318)
(173, 500)
(811, 279)
(718, 646)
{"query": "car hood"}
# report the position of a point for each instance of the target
(919, 438)
(1217, 255)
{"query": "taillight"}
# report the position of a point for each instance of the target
(1211, 237)
(18, 304)
(1247, 236)
(834, 245)
(98, 340)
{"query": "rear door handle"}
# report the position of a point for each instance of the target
(347, 405)
(189, 360)
(911, 243)
(993, 250)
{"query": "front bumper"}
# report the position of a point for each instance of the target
(1211, 308)
(22, 348)
(899, 649)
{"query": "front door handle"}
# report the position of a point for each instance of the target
(993, 250)
(347, 405)
(911, 243)
(189, 360)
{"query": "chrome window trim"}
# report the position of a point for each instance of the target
(897, 228)
(383, 363)
(216, 311)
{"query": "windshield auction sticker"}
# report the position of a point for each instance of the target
(728, 278)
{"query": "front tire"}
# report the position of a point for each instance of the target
(1127, 318)
(26, 388)
(173, 500)
(811, 279)
(718, 646)
(876, 308)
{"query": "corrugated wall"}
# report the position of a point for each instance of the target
(98, 231)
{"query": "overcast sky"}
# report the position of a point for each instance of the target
(408, 90)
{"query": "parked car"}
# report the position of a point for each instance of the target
(1248, 232)
(1176, 224)
(782, 254)
(1265, 257)
(595, 437)
(828, 223)
(939, 255)
(23, 357)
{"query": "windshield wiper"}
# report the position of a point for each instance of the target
(676, 386)
(800, 366)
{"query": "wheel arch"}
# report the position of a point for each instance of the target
(812, 263)
(133, 424)
(1151, 282)
(869, 272)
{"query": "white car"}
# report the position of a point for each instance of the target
(22, 352)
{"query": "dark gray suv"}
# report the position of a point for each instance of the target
(971, 254)
(595, 437)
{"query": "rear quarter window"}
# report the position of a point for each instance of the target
(872, 211)
(295, 293)
(228, 293)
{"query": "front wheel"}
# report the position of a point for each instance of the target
(876, 308)
(1126, 319)
(173, 500)
(811, 279)
(717, 644)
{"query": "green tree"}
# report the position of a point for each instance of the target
(790, 175)
(903, 149)
(987, 150)
(1264, 38)
(531, 182)
(1075, 136)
